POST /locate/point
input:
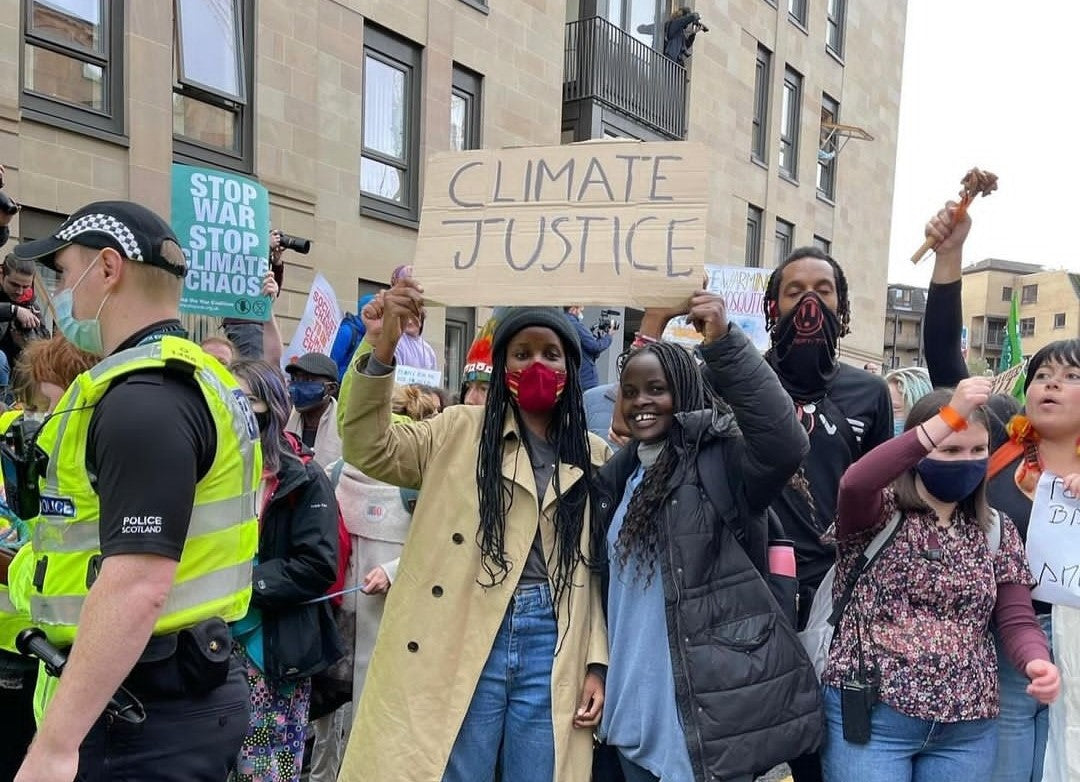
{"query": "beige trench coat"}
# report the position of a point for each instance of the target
(439, 624)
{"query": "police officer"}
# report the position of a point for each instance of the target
(143, 550)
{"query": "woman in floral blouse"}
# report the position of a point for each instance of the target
(917, 628)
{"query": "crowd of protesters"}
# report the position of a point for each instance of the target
(546, 579)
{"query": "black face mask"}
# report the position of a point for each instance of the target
(804, 346)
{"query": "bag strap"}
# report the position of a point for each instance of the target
(863, 563)
(993, 535)
(335, 473)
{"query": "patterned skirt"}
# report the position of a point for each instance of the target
(273, 750)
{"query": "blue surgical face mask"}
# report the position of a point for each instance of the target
(897, 427)
(951, 481)
(306, 394)
(83, 334)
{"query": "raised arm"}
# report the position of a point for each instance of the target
(773, 442)
(859, 500)
(396, 455)
(944, 319)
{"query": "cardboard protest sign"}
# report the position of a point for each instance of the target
(319, 324)
(595, 223)
(1053, 542)
(743, 289)
(1005, 382)
(223, 223)
(412, 376)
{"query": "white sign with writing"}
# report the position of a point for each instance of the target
(1053, 542)
(317, 328)
(743, 289)
(415, 376)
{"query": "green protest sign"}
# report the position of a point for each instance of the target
(223, 223)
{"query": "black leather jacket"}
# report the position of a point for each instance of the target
(741, 702)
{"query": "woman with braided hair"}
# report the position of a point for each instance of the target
(705, 680)
(490, 653)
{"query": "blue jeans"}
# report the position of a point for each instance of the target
(906, 749)
(511, 707)
(1022, 725)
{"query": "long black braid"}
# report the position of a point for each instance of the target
(799, 482)
(640, 533)
(771, 302)
(568, 434)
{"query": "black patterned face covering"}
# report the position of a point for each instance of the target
(804, 349)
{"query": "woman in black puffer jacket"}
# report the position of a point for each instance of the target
(284, 639)
(706, 680)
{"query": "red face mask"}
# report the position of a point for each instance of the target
(537, 388)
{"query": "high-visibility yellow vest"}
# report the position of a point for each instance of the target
(12, 619)
(213, 578)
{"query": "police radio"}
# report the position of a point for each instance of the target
(23, 464)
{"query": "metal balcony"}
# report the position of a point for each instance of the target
(606, 64)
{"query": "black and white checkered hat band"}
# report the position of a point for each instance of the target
(106, 224)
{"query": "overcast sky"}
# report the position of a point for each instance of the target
(990, 84)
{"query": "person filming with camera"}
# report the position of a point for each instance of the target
(593, 341)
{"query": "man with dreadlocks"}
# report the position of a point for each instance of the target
(682, 517)
(491, 650)
(845, 411)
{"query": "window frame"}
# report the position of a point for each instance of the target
(1034, 299)
(825, 245)
(787, 235)
(192, 151)
(1059, 320)
(835, 22)
(108, 124)
(790, 124)
(469, 85)
(755, 224)
(759, 129)
(825, 181)
(797, 11)
(400, 53)
(1027, 327)
(1006, 292)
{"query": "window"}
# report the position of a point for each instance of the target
(73, 73)
(460, 331)
(465, 110)
(827, 150)
(762, 79)
(789, 130)
(995, 332)
(823, 244)
(1059, 320)
(785, 234)
(1006, 292)
(835, 11)
(390, 148)
(1029, 294)
(1027, 327)
(797, 11)
(213, 116)
(754, 219)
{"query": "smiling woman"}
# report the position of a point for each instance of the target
(682, 508)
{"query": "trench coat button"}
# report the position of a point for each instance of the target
(437, 591)
(458, 538)
(413, 646)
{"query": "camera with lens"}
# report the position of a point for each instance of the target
(297, 243)
(609, 321)
(23, 463)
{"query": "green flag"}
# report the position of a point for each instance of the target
(1011, 352)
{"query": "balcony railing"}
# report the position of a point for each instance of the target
(607, 64)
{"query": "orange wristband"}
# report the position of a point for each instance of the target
(955, 421)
